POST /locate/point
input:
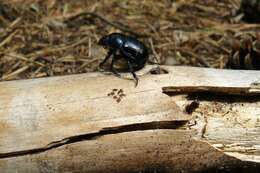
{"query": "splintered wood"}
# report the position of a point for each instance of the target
(76, 123)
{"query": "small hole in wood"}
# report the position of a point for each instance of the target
(158, 70)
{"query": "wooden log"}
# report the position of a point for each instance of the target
(100, 123)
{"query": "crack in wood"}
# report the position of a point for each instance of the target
(95, 135)
(212, 89)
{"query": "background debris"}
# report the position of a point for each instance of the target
(47, 38)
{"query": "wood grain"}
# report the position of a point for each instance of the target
(74, 124)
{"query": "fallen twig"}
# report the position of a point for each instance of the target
(92, 14)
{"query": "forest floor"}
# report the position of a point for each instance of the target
(40, 38)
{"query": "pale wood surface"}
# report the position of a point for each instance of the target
(76, 113)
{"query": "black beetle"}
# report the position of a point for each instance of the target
(134, 52)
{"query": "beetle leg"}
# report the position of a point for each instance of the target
(131, 69)
(133, 73)
(110, 52)
(112, 66)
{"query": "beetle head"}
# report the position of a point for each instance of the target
(104, 41)
(114, 40)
